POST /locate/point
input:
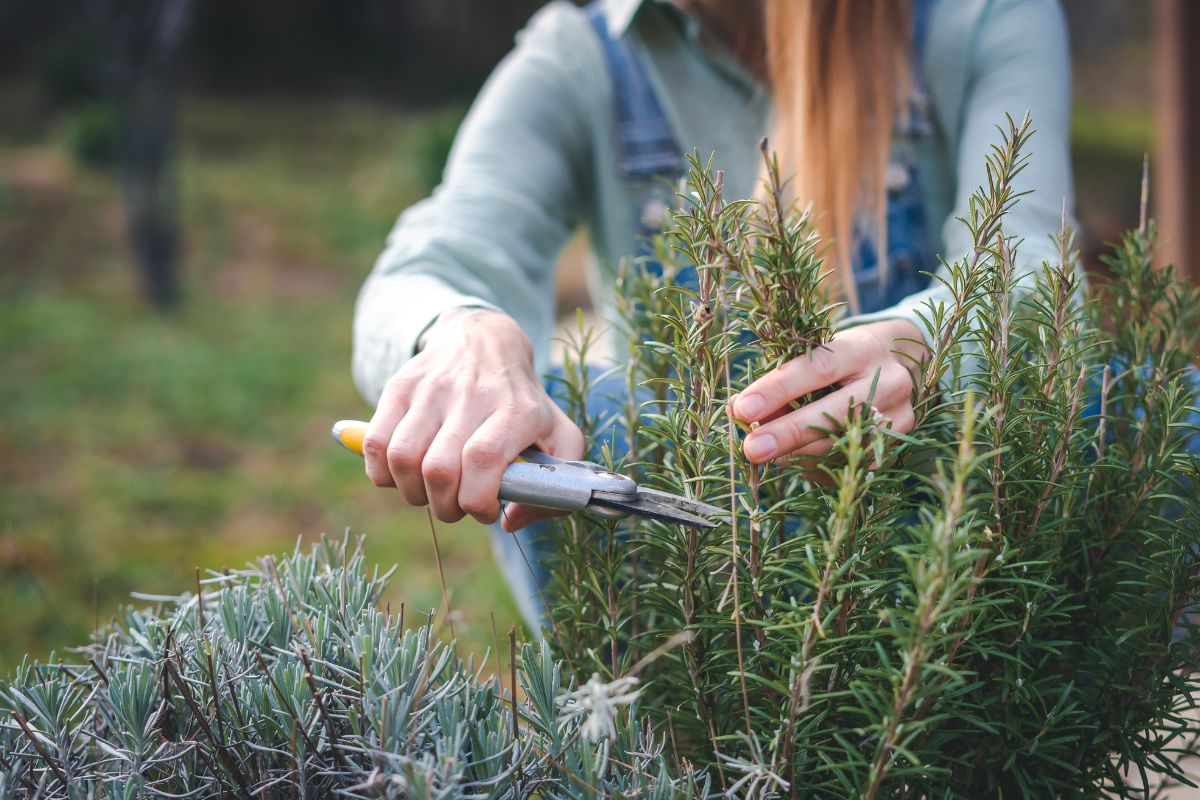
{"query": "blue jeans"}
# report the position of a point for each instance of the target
(520, 554)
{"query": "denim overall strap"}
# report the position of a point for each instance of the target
(646, 147)
(921, 13)
(648, 153)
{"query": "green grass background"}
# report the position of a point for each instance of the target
(136, 446)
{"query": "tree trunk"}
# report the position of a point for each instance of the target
(145, 40)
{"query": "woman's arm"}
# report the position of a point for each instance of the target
(450, 418)
(1020, 64)
(514, 189)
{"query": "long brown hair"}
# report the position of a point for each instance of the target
(838, 70)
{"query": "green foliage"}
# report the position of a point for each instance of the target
(284, 678)
(993, 604)
(92, 133)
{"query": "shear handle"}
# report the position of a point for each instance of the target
(539, 479)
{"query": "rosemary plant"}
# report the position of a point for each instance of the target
(995, 604)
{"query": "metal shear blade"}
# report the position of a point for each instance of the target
(661, 506)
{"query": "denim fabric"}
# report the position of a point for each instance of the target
(645, 145)
(520, 555)
(649, 157)
(1191, 421)
(909, 248)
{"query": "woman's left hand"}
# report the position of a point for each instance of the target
(851, 360)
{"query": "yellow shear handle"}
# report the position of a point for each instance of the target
(349, 434)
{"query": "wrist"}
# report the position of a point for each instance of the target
(468, 321)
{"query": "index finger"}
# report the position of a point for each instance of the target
(821, 367)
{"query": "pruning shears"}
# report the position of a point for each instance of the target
(539, 479)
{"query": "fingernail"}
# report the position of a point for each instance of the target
(760, 447)
(749, 406)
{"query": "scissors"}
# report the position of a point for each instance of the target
(539, 479)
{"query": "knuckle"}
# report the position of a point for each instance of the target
(795, 428)
(575, 442)
(448, 513)
(435, 383)
(437, 471)
(413, 494)
(483, 454)
(375, 447)
(822, 366)
(380, 479)
(506, 408)
(402, 459)
(480, 507)
(899, 376)
(519, 409)
(397, 387)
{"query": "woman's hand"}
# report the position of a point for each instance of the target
(456, 415)
(849, 361)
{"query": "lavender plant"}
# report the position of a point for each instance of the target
(285, 680)
(995, 604)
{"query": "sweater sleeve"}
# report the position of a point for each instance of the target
(1019, 63)
(513, 190)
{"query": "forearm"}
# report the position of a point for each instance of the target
(513, 191)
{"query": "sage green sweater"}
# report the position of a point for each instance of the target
(535, 160)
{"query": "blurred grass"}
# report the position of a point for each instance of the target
(136, 446)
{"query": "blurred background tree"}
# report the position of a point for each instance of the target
(143, 42)
(136, 446)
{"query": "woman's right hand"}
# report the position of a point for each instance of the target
(458, 413)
